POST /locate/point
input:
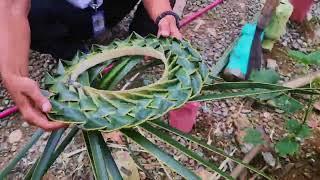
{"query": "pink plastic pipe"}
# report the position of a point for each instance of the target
(199, 13)
(8, 112)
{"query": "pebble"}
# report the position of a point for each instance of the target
(6, 102)
(14, 148)
(268, 157)
(267, 115)
(272, 64)
(3, 146)
(25, 124)
(246, 111)
(15, 136)
(279, 111)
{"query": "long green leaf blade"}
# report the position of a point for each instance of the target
(131, 64)
(48, 151)
(35, 137)
(65, 142)
(96, 156)
(255, 85)
(167, 139)
(164, 126)
(106, 80)
(151, 64)
(112, 167)
(102, 161)
(159, 154)
(220, 96)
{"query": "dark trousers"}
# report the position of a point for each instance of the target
(60, 29)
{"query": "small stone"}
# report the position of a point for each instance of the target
(13, 148)
(212, 32)
(279, 111)
(3, 146)
(267, 115)
(6, 102)
(25, 124)
(285, 43)
(246, 111)
(295, 45)
(272, 64)
(268, 157)
(223, 105)
(225, 113)
(30, 68)
(15, 136)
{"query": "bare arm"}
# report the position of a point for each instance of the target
(14, 51)
(15, 37)
(167, 26)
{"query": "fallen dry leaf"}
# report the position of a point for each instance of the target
(126, 165)
(49, 176)
(317, 105)
(114, 136)
(313, 122)
(204, 174)
(15, 136)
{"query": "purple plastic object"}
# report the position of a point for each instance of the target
(8, 112)
(188, 19)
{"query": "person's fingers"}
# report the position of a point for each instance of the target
(32, 90)
(37, 118)
(174, 31)
(164, 28)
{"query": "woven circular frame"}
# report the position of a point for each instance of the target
(75, 102)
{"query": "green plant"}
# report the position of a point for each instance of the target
(297, 132)
(307, 59)
(290, 143)
(77, 101)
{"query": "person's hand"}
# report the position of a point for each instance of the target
(31, 103)
(168, 27)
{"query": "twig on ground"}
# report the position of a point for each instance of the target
(75, 152)
(209, 136)
(238, 170)
(165, 170)
(256, 175)
(252, 154)
(302, 81)
(223, 166)
(271, 134)
(130, 81)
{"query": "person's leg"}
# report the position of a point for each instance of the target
(50, 31)
(116, 10)
(142, 23)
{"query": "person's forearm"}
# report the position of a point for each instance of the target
(15, 38)
(156, 7)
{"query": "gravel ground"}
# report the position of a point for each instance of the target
(211, 34)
